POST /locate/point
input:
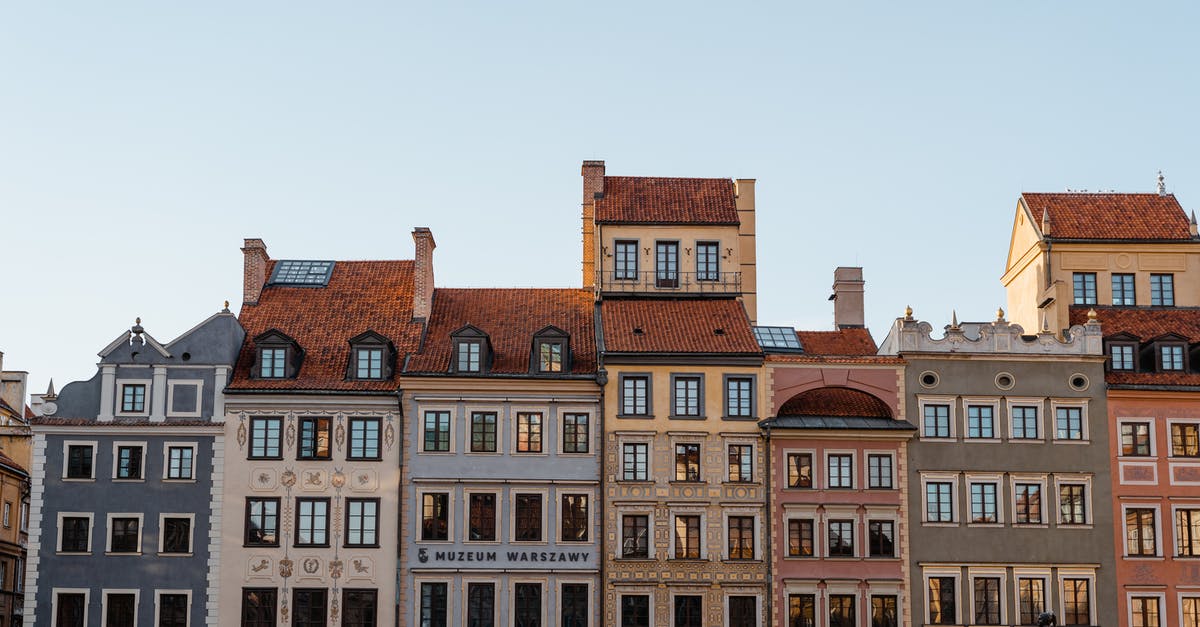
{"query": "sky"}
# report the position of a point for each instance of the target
(140, 142)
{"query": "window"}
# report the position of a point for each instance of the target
(1122, 356)
(881, 538)
(437, 432)
(666, 264)
(133, 398)
(1077, 602)
(1191, 611)
(689, 610)
(980, 423)
(362, 522)
(1185, 440)
(743, 611)
(528, 605)
(173, 610)
(273, 363)
(741, 463)
(1024, 422)
(314, 439)
(635, 536)
(7, 521)
(550, 356)
(433, 604)
(359, 608)
(264, 438)
(802, 610)
(481, 604)
(983, 503)
(435, 517)
(799, 469)
(1139, 532)
(879, 472)
(124, 535)
(179, 462)
(685, 395)
(1135, 439)
(706, 261)
(987, 601)
(364, 439)
(942, 598)
(635, 610)
(1144, 611)
(938, 504)
(574, 519)
(309, 607)
(800, 537)
(528, 512)
(635, 395)
(841, 610)
(70, 609)
(1069, 423)
(841, 538)
(1031, 599)
(120, 609)
(482, 517)
(312, 522)
(1028, 508)
(176, 535)
(739, 397)
(262, 522)
(1072, 504)
(633, 461)
(883, 611)
(576, 433)
(741, 537)
(483, 432)
(1187, 532)
(625, 260)
(469, 355)
(1162, 290)
(75, 531)
(1085, 288)
(529, 433)
(79, 461)
(687, 537)
(1122, 290)
(1170, 356)
(937, 421)
(129, 462)
(368, 363)
(687, 462)
(840, 471)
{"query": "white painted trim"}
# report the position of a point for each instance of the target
(172, 384)
(980, 401)
(215, 522)
(451, 510)
(141, 518)
(827, 455)
(547, 532)
(592, 611)
(67, 444)
(420, 443)
(35, 548)
(1084, 422)
(592, 511)
(166, 448)
(158, 592)
(116, 461)
(519, 578)
(137, 601)
(926, 574)
(638, 592)
(147, 399)
(1089, 505)
(496, 513)
(467, 581)
(162, 536)
(87, 603)
(1090, 576)
(929, 399)
(984, 572)
(91, 530)
(1039, 405)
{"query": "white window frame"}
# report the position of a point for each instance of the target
(982, 401)
(635, 438)
(877, 513)
(1175, 507)
(758, 605)
(548, 431)
(499, 513)
(454, 417)
(1039, 480)
(1044, 574)
(703, 594)
(1170, 453)
(116, 462)
(562, 427)
(167, 446)
(87, 602)
(1056, 404)
(841, 512)
(141, 518)
(741, 440)
(955, 502)
(1158, 530)
(591, 516)
(558, 596)
(449, 583)
(549, 534)
(951, 402)
(726, 514)
(419, 517)
(519, 578)
(162, 537)
(137, 601)
(91, 516)
(66, 449)
(1153, 435)
(1089, 507)
(843, 589)
(983, 572)
(817, 473)
(635, 510)
(936, 572)
(468, 414)
(691, 510)
(158, 592)
(855, 484)
(497, 590)
(802, 512)
(636, 592)
(1040, 425)
(995, 480)
(199, 384)
(119, 399)
(866, 468)
(1180, 597)
(1090, 575)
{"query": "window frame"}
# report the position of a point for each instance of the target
(951, 404)
(812, 470)
(162, 533)
(255, 420)
(1041, 575)
(1061, 481)
(448, 514)
(622, 271)
(646, 541)
(1132, 362)
(1150, 438)
(1000, 577)
(745, 460)
(705, 273)
(250, 500)
(1166, 290)
(1088, 576)
(168, 447)
(990, 403)
(1182, 425)
(701, 548)
(674, 607)
(346, 524)
(687, 462)
(804, 522)
(351, 454)
(1080, 288)
(358, 352)
(471, 582)
(1038, 406)
(108, 536)
(574, 438)
(328, 515)
(1154, 527)
(851, 458)
(741, 517)
(174, 383)
(996, 484)
(147, 386)
(1160, 356)
(871, 544)
(116, 461)
(373, 593)
(67, 446)
(1124, 283)
(666, 275)
(1190, 535)
(136, 593)
(303, 454)
(685, 378)
(728, 381)
(425, 433)
(954, 575)
(91, 518)
(875, 482)
(624, 398)
(588, 499)
(646, 461)
(497, 507)
(418, 605)
(951, 479)
(543, 518)
(1038, 481)
(56, 592)
(472, 431)
(832, 519)
(1085, 434)
(541, 431)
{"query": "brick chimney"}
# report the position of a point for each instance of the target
(848, 298)
(254, 272)
(593, 187)
(423, 272)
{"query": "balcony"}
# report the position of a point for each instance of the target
(671, 283)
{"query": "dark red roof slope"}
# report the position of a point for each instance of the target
(835, 402)
(677, 326)
(510, 317)
(360, 296)
(11, 463)
(854, 341)
(661, 200)
(1145, 324)
(1111, 216)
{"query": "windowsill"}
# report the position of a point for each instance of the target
(167, 480)
(260, 546)
(532, 542)
(1144, 558)
(842, 558)
(1071, 441)
(1030, 526)
(686, 482)
(983, 440)
(123, 553)
(72, 552)
(128, 480)
(470, 542)
(255, 459)
(880, 488)
(436, 452)
(882, 558)
(361, 546)
(576, 542)
(1074, 525)
(312, 546)
(748, 484)
(1137, 458)
(314, 459)
(364, 459)
(730, 560)
(1027, 440)
(484, 453)
(678, 417)
(575, 454)
(931, 438)
(939, 524)
(740, 418)
(985, 524)
(1184, 458)
(798, 488)
(79, 479)
(161, 554)
(530, 454)
(632, 416)
(697, 560)
(424, 541)
(633, 481)
(800, 557)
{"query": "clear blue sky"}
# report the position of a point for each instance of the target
(141, 141)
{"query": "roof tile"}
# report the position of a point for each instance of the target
(851, 341)
(1111, 216)
(677, 326)
(661, 200)
(833, 401)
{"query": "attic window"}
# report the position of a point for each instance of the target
(468, 355)
(301, 272)
(777, 338)
(372, 357)
(278, 356)
(472, 351)
(551, 351)
(550, 356)
(1171, 356)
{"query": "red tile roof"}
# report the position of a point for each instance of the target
(677, 326)
(360, 296)
(1110, 216)
(835, 402)
(29, 413)
(853, 341)
(11, 463)
(660, 200)
(1144, 323)
(510, 317)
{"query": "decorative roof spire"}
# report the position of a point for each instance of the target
(1162, 184)
(50, 394)
(1046, 221)
(953, 318)
(999, 314)
(226, 309)
(908, 312)
(137, 331)
(1192, 228)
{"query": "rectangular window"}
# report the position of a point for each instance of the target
(364, 439)
(987, 601)
(129, 462)
(437, 432)
(79, 461)
(1122, 356)
(1140, 532)
(359, 608)
(309, 607)
(706, 261)
(259, 607)
(433, 605)
(273, 362)
(362, 522)
(883, 611)
(741, 537)
(1024, 423)
(625, 260)
(528, 511)
(879, 472)
(980, 423)
(264, 438)
(687, 537)
(739, 397)
(800, 538)
(1162, 290)
(435, 517)
(528, 605)
(481, 604)
(882, 538)
(633, 461)
(1031, 599)
(799, 469)
(576, 433)
(1072, 504)
(482, 517)
(529, 432)
(635, 394)
(369, 363)
(1187, 532)
(938, 505)
(314, 439)
(70, 609)
(937, 421)
(173, 610)
(983, 503)
(179, 462)
(841, 610)
(1170, 357)
(262, 522)
(573, 601)
(1122, 290)
(840, 471)
(120, 610)
(1144, 611)
(1135, 439)
(133, 398)
(685, 393)
(574, 518)
(689, 610)
(1185, 440)
(550, 356)
(1069, 423)
(687, 462)
(1191, 611)
(802, 610)
(1085, 288)
(741, 463)
(743, 611)
(1028, 509)
(75, 534)
(483, 432)
(177, 535)
(312, 522)
(666, 264)
(841, 538)
(635, 536)
(942, 600)
(125, 535)
(469, 352)
(1077, 602)
(635, 610)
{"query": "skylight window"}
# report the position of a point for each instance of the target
(301, 272)
(777, 338)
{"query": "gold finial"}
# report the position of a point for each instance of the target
(999, 314)
(908, 312)
(1092, 315)
(227, 304)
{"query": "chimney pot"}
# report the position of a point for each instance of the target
(848, 298)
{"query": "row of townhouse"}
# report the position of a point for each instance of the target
(357, 447)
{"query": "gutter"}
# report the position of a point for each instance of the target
(770, 530)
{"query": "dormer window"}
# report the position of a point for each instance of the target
(1170, 356)
(551, 351)
(278, 356)
(369, 363)
(472, 350)
(468, 355)
(273, 363)
(372, 357)
(550, 356)
(1122, 356)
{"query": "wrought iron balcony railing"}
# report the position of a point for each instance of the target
(651, 282)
